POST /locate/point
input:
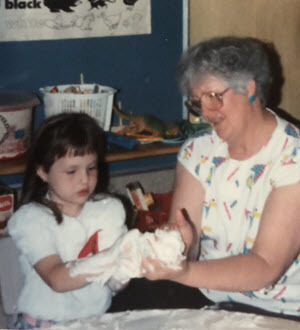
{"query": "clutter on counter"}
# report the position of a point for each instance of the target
(8, 203)
(151, 209)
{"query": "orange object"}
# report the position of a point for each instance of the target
(54, 90)
(157, 216)
(149, 200)
(91, 246)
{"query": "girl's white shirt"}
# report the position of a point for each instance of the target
(37, 235)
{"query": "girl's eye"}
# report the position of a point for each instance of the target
(92, 168)
(71, 172)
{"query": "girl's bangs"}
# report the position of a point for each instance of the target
(80, 150)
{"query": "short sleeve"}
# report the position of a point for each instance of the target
(196, 151)
(287, 169)
(31, 228)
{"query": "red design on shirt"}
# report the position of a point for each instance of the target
(91, 246)
(228, 247)
(232, 174)
(191, 146)
(279, 293)
(227, 210)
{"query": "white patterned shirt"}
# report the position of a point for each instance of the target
(235, 195)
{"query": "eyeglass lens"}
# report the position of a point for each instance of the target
(207, 100)
(210, 101)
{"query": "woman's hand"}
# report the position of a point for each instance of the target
(186, 210)
(188, 233)
(153, 269)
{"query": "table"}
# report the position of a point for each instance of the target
(115, 153)
(188, 319)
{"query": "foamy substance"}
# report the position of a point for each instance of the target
(123, 260)
(179, 319)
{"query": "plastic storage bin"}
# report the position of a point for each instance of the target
(16, 109)
(96, 102)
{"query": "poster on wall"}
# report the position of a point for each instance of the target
(22, 20)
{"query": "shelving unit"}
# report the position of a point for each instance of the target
(116, 153)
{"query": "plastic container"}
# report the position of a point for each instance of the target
(15, 122)
(8, 203)
(96, 102)
(157, 216)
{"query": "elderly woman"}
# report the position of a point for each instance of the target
(237, 189)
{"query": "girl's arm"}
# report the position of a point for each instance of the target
(56, 274)
(276, 246)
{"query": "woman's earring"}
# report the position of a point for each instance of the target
(251, 98)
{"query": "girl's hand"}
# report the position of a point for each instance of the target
(116, 285)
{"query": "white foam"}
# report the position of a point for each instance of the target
(123, 260)
(179, 319)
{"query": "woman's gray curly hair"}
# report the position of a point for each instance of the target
(234, 60)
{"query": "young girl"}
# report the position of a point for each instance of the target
(62, 219)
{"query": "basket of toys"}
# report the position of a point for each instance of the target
(93, 99)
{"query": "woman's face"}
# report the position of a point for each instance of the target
(230, 117)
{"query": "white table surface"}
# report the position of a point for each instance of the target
(180, 319)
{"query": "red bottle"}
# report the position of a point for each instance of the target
(8, 202)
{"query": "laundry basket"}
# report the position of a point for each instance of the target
(94, 99)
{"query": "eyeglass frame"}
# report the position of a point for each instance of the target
(196, 109)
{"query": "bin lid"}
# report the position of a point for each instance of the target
(16, 100)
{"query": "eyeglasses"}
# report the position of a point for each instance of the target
(211, 100)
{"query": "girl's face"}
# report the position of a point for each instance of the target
(71, 179)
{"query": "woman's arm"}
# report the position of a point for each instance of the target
(276, 246)
(188, 199)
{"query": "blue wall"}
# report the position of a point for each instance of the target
(141, 67)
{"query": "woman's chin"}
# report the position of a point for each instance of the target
(217, 128)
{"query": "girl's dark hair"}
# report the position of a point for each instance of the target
(58, 134)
